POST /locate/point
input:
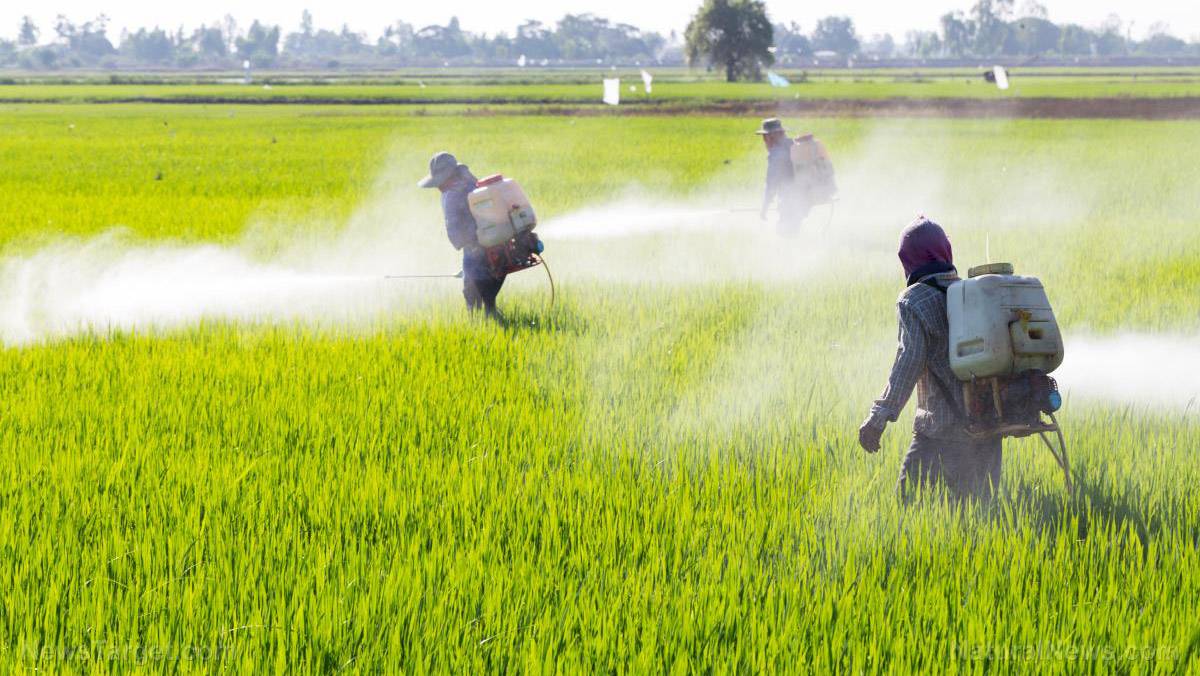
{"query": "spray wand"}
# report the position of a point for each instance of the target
(457, 275)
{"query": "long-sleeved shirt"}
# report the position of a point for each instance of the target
(461, 226)
(922, 356)
(781, 176)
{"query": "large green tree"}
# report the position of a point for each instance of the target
(733, 34)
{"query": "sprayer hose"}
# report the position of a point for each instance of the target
(1060, 456)
(548, 276)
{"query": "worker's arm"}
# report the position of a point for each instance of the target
(768, 197)
(460, 224)
(910, 362)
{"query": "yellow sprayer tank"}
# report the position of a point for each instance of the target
(813, 169)
(501, 210)
(1001, 324)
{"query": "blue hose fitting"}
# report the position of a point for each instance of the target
(1055, 401)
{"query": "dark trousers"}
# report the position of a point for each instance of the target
(791, 218)
(965, 468)
(481, 294)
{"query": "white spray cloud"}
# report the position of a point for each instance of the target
(631, 217)
(105, 283)
(116, 281)
(638, 241)
(1140, 370)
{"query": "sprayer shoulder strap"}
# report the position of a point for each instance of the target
(931, 282)
(945, 391)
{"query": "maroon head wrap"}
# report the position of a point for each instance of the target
(924, 246)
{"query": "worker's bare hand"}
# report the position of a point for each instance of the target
(869, 434)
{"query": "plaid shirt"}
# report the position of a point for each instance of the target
(924, 351)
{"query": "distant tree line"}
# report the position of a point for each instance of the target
(576, 38)
(990, 28)
(995, 28)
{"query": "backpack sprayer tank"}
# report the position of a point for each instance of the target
(1004, 341)
(504, 225)
(813, 170)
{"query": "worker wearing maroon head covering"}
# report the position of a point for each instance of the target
(925, 250)
(941, 450)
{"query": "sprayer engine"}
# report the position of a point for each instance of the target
(519, 253)
(1011, 405)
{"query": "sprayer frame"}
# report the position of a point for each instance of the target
(1019, 430)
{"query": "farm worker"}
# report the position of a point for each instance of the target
(941, 450)
(455, 181)
(781, 179)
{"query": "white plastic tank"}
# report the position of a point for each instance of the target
(1001, 324)
(493, 204)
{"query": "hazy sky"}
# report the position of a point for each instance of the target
(870, 16)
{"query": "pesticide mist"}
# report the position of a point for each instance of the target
(115, 281)
(1138, 370)
(108, 283)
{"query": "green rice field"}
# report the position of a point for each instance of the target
(671, 86)
(658, 473)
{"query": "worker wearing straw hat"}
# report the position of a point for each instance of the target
(455, 181)
(781, 179)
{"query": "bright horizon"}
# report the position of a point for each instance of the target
(870, 16)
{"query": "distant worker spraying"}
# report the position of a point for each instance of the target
(942, 450)
(455, 181)
(799, 176)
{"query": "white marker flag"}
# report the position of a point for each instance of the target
(612, 91)
(1001, 76)
(646, 80)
